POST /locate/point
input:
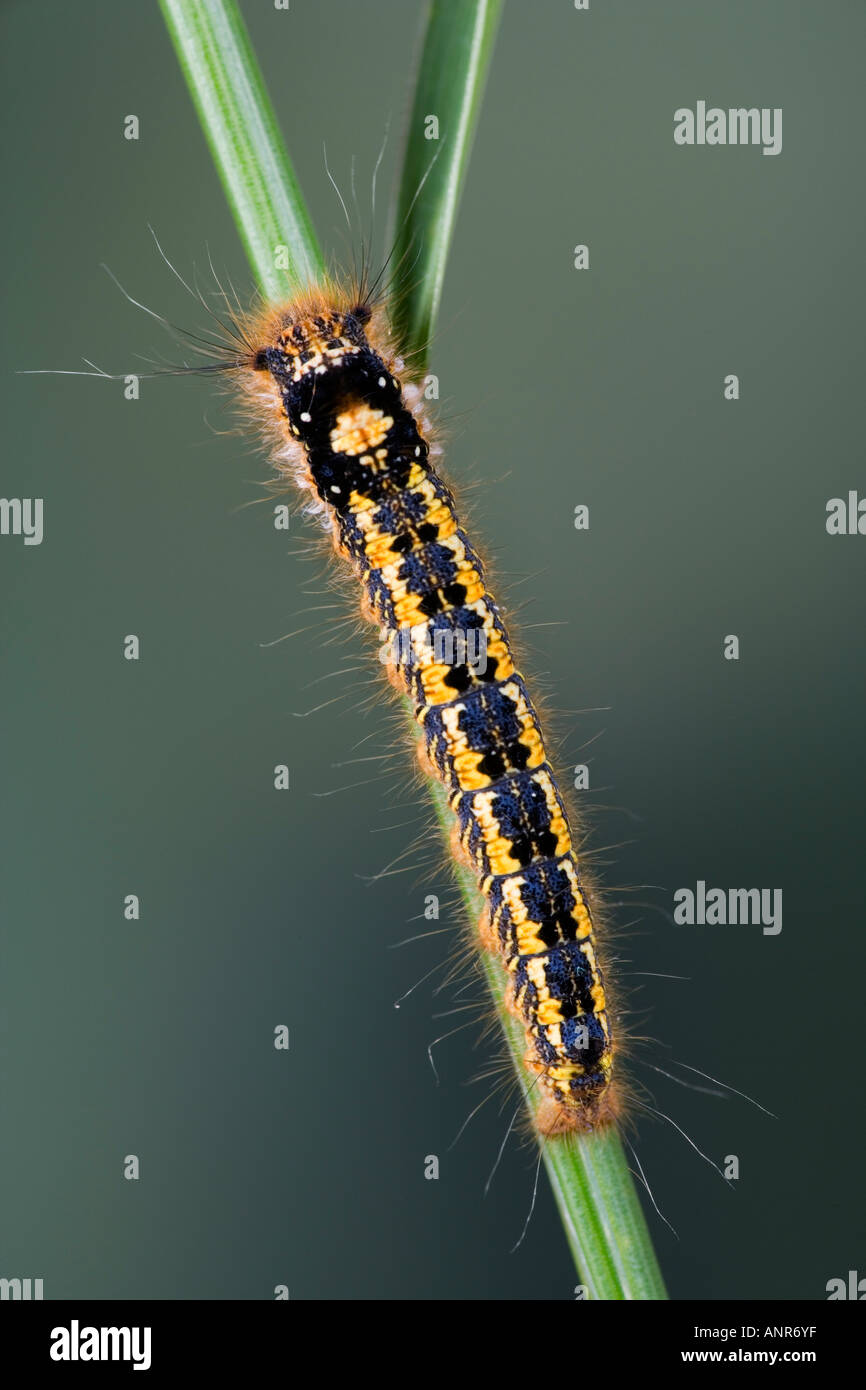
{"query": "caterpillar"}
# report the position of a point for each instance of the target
(346, 423)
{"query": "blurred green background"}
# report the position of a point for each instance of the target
(558, 387)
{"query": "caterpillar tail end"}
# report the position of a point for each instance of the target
(593, 1110)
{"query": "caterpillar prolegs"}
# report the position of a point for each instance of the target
(348, 430)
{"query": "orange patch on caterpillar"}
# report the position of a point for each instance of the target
(490, 942)
(424, 759)
(458, 853)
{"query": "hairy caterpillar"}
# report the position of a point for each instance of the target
(320, 374)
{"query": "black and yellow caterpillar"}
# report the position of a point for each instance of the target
(348, 429)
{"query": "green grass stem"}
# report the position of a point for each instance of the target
(589, 1175)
